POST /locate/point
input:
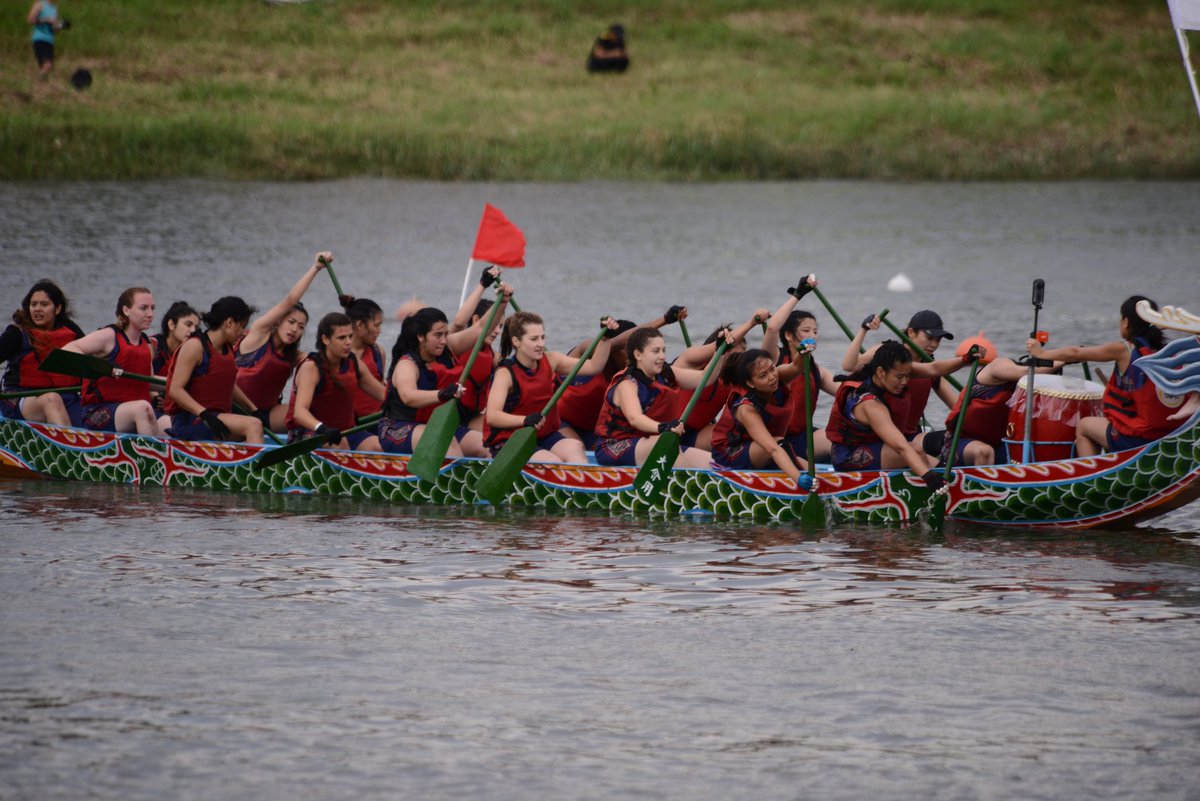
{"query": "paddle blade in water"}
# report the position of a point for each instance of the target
(937, 513)
(812, 512)
(430, 453)
(652, 477)
(504, 469)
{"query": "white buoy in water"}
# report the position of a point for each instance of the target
(900, 283)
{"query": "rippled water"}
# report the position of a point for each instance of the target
(170, 644)
(165, 643)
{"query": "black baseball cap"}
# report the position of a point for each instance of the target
(929, 322)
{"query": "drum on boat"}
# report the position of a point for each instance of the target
(1059, 403)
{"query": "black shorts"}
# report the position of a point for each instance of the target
(43, 52)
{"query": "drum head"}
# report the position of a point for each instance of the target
(1063, 386)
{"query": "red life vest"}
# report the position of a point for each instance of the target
(364, 404)
(843, 427)
(796, 388)
(657, 399)
(582, 401)
(262, 374)
(23, 370)
(916, 397)
(1133, 404)
(529, 394)
(333, 398)
(712, 400)
(129, 357)
(987, 416)
(441, 373)
(212, 381)
(776, 414)
(476, 384)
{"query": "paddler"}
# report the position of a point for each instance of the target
(641, 404)
(122, 404)
(1136, 412)
(43, 323)
(201, 380)
(326, 386)
(366, 319)
(864, 423)
(523, 383)
(270, 350)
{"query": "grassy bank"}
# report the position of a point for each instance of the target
(941, 89)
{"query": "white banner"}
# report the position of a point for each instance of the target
(1185, 14)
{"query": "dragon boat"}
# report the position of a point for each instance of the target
(1113, 488)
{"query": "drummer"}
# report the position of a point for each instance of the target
(1135, 411)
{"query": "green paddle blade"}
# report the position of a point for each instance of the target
(937, 513)
(812, 512)
(504, 469)
(654, 473)
(286, 452)
(81, 365)
(430, 453)
(77, 364)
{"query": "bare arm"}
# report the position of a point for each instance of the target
(404, 378)
(260, 330)
(749, 417)
(626, 397)
(877, 417)
(98, 343)
(1116, 351)
(497, 396)
(186, 359)
(307, 377)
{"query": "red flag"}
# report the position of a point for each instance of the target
(499, 241)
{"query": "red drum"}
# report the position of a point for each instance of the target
(1058, 405)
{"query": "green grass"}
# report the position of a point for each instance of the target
(719, 89)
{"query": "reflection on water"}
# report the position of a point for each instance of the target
(166, 643)
(357, 552)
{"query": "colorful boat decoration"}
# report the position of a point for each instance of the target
(1073, 493)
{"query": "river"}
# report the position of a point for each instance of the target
(164, 643)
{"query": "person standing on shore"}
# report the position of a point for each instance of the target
(43, 16)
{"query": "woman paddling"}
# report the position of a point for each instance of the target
(523, 383)
(43, 323)
(751, 431)
(325, 389)
(1135, 410)
(366, 320)
(472, 404)
(699, 426)
(178, 325)
(864, 423)
(201, 380)
(641, 404)
(269, 350)
(122, 404)
(423, 375)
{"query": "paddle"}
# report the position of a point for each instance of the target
(80, 365)
(937, 507)
(430, 453)
(504, 469)
(925, 357)
(29, 393)
(337, 287)
(294, 449)
(829, 308)
(812, 513)
(687, 340)
(1039, 295)
(652, 477)
(68, 362)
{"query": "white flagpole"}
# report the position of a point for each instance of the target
(466, 281)
(1185, 15)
